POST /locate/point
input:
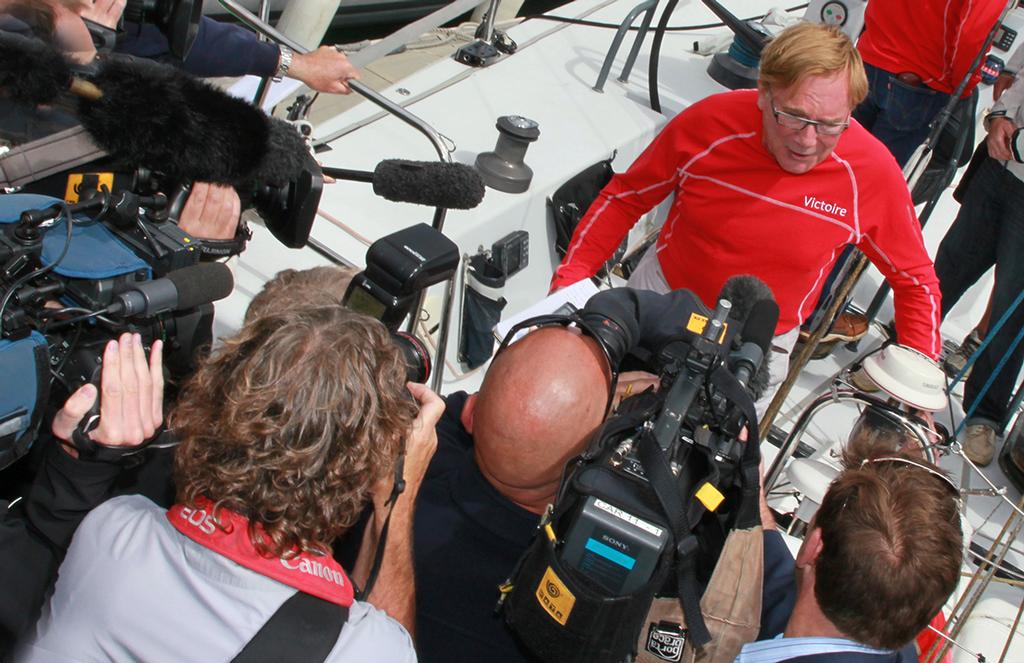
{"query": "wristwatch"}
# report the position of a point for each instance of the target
(284, 62)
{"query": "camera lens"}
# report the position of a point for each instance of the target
(417, 360)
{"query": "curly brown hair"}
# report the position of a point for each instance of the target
(291, 422)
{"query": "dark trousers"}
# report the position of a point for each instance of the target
(898, 114)
(989, 230)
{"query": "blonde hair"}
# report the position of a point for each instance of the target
(809, 49)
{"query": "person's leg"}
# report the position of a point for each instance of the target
(1009, 284)
(778, 368)
(867, 111)
(905, 115)
(648, 274)
(969, 248)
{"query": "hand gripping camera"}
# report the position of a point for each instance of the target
(72, 277)
(645, 511)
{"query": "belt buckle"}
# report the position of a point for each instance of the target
(910, 78)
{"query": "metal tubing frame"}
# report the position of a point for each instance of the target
(620, 34)
(634, 52)
(264, 86)
(834, 397)
(796, 365)
(261, 27)
(979, 581)
(488, 23)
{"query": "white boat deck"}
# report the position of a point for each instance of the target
(550, 80)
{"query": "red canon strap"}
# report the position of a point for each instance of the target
(318, 576)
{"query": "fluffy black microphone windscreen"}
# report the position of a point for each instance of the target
(759, 327)
(202, 283)
(30, 71)
(286, 154)
(743, 291)
(434, 183)
(155, 116)
(753, 304)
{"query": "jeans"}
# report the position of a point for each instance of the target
(896, 113)
(989, 230)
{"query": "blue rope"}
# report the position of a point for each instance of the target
(742, 53)
(999, 367)
(991, 334)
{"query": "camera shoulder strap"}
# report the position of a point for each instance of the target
(670, 496)
(303, 623)
(726, 383)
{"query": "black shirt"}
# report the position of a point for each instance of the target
(467, 539)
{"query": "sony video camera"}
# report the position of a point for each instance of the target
(73, 277)
(644, 512)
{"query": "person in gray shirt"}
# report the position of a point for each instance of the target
(287, 432)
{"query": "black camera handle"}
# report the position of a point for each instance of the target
(670, 492)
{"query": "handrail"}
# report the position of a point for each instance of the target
(647, 6)
(833, 397)
(253, 22)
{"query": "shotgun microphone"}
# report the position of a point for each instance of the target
(433, 183)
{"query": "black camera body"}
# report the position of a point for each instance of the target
(617, 536)
(645, 510)
(399, 267)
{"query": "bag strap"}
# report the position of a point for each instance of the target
(303, 627)
(670, 496)
(748, 514)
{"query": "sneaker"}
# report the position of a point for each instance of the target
(849, 326)
(956, 361)
(979, 444)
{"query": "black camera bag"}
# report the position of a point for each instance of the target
(561, 615)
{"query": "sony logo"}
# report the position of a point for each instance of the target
(614, 542)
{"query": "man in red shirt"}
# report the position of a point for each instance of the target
(772, 182)
(915, 55)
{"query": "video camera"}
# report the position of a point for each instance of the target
(661, 485)
(73, 277)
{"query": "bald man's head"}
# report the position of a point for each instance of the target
(540, 401)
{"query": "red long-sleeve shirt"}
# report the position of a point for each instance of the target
(737, 212)
(935, 39)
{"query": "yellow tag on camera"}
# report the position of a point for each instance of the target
(555, 597)
(710, 496)
(73, 192)
(698, 322)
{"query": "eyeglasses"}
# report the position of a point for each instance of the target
(798, 122)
